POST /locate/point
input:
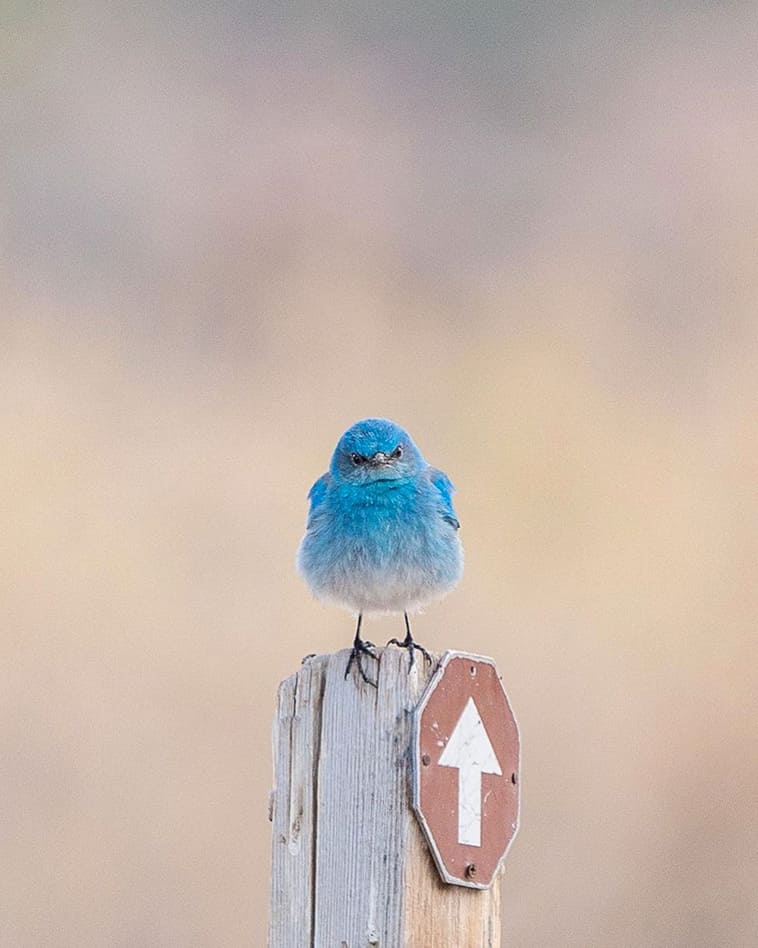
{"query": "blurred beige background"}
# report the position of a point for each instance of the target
(529, 233)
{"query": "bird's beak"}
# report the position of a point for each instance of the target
(379, 458)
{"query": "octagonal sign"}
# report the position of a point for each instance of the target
(466, 769)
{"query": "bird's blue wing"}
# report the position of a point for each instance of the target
(445, 490)
(316, 495)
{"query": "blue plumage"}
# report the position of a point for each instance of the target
(381, 534)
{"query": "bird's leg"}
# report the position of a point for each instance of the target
(410, 644)
(360, 648)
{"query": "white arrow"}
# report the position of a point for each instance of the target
(470, 751)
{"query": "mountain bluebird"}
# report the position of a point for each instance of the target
(382, 534)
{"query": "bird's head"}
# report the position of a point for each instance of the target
(375, 449)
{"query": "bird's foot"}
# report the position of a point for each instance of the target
(361, 648)
(409, 644)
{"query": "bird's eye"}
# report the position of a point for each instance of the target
(357, 459)
(397, 453)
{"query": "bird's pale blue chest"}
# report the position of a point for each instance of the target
(382, 546)
(379, 513)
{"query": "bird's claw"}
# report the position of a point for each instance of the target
(410, 645)
(361, 648)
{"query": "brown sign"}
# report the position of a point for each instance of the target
(466, 769)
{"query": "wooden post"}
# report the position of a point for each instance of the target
(350, 867)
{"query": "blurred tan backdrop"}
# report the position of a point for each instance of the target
(529, 233)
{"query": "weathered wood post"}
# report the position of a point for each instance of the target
(350, 864)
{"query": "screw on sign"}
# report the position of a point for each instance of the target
(466, 769)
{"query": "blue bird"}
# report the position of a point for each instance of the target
(382, 534)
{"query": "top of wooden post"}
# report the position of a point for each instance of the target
(350, 866)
